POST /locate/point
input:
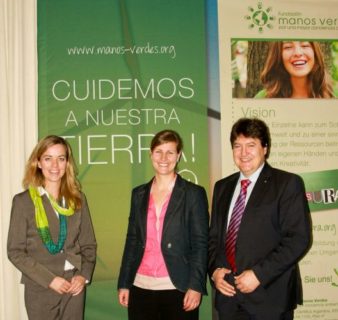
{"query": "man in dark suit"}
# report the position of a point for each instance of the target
(255, 269)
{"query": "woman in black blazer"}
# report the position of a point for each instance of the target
(164, 265)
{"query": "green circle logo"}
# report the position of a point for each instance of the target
(260, 18)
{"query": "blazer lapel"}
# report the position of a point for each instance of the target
(175, 202)
(226, 194)
(260, 188)
(143, 200)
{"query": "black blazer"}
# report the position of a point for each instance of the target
(184, 239)
(274, 234)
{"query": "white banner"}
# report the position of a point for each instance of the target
(303, 120)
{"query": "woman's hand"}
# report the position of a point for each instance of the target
(60, 285)
(77, 285)
(124, 297)
(191, 300)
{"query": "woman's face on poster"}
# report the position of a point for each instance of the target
(298, 58)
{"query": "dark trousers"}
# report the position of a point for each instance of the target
(242, 314)
(158, 305)
(42, 303)
(235, 310)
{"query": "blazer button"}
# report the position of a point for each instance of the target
(169, 245)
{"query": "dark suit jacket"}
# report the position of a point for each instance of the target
(184, 239)
(274, 234)
(27, 252)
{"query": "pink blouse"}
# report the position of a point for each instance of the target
(153, 264)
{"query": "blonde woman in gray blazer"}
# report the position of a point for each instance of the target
(51, 238)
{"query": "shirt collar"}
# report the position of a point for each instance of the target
(42, 191)
(254, 176)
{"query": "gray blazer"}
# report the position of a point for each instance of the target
(27, 252)
(184, 239)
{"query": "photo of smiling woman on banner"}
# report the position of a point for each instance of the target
(295, 69)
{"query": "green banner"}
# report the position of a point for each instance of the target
(321, 189)
(111, 75)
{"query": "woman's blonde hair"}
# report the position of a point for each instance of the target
(70, 187)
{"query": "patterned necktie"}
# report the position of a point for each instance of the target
(235, 221)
